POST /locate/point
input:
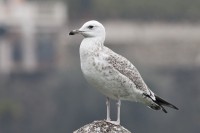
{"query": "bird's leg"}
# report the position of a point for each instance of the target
(108, 112)
(108, 108)
(118, 111)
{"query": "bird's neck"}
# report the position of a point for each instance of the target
(96, 40)
(92, 43)
(89, 46)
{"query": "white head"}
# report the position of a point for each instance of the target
(91, 29)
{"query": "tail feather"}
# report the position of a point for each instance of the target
(161, 102)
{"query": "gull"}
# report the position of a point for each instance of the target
(112, 74)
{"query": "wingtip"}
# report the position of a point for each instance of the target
(161, 102)
(174, 107)
(163, 109)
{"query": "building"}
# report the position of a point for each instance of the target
(31, 35)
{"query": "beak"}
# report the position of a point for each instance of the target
(73, 32)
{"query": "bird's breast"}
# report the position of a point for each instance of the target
(106, 79)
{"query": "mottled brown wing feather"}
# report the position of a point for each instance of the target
(126, 68)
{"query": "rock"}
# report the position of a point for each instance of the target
(102, 126)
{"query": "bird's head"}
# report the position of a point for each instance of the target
(91, 29)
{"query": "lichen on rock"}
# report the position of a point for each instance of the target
(102, 126)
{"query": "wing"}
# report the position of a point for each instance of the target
(126, 68)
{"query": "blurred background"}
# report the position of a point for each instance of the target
(42, 88)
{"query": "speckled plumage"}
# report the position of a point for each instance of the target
(112, 74)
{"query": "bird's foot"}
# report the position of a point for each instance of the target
(113, 122)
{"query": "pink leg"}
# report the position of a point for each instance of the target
(118, 111)
(108, 108)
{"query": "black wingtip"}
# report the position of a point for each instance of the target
(174, 107)
(161, 102)
(163, 109)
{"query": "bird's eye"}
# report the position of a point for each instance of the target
(90, 26)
